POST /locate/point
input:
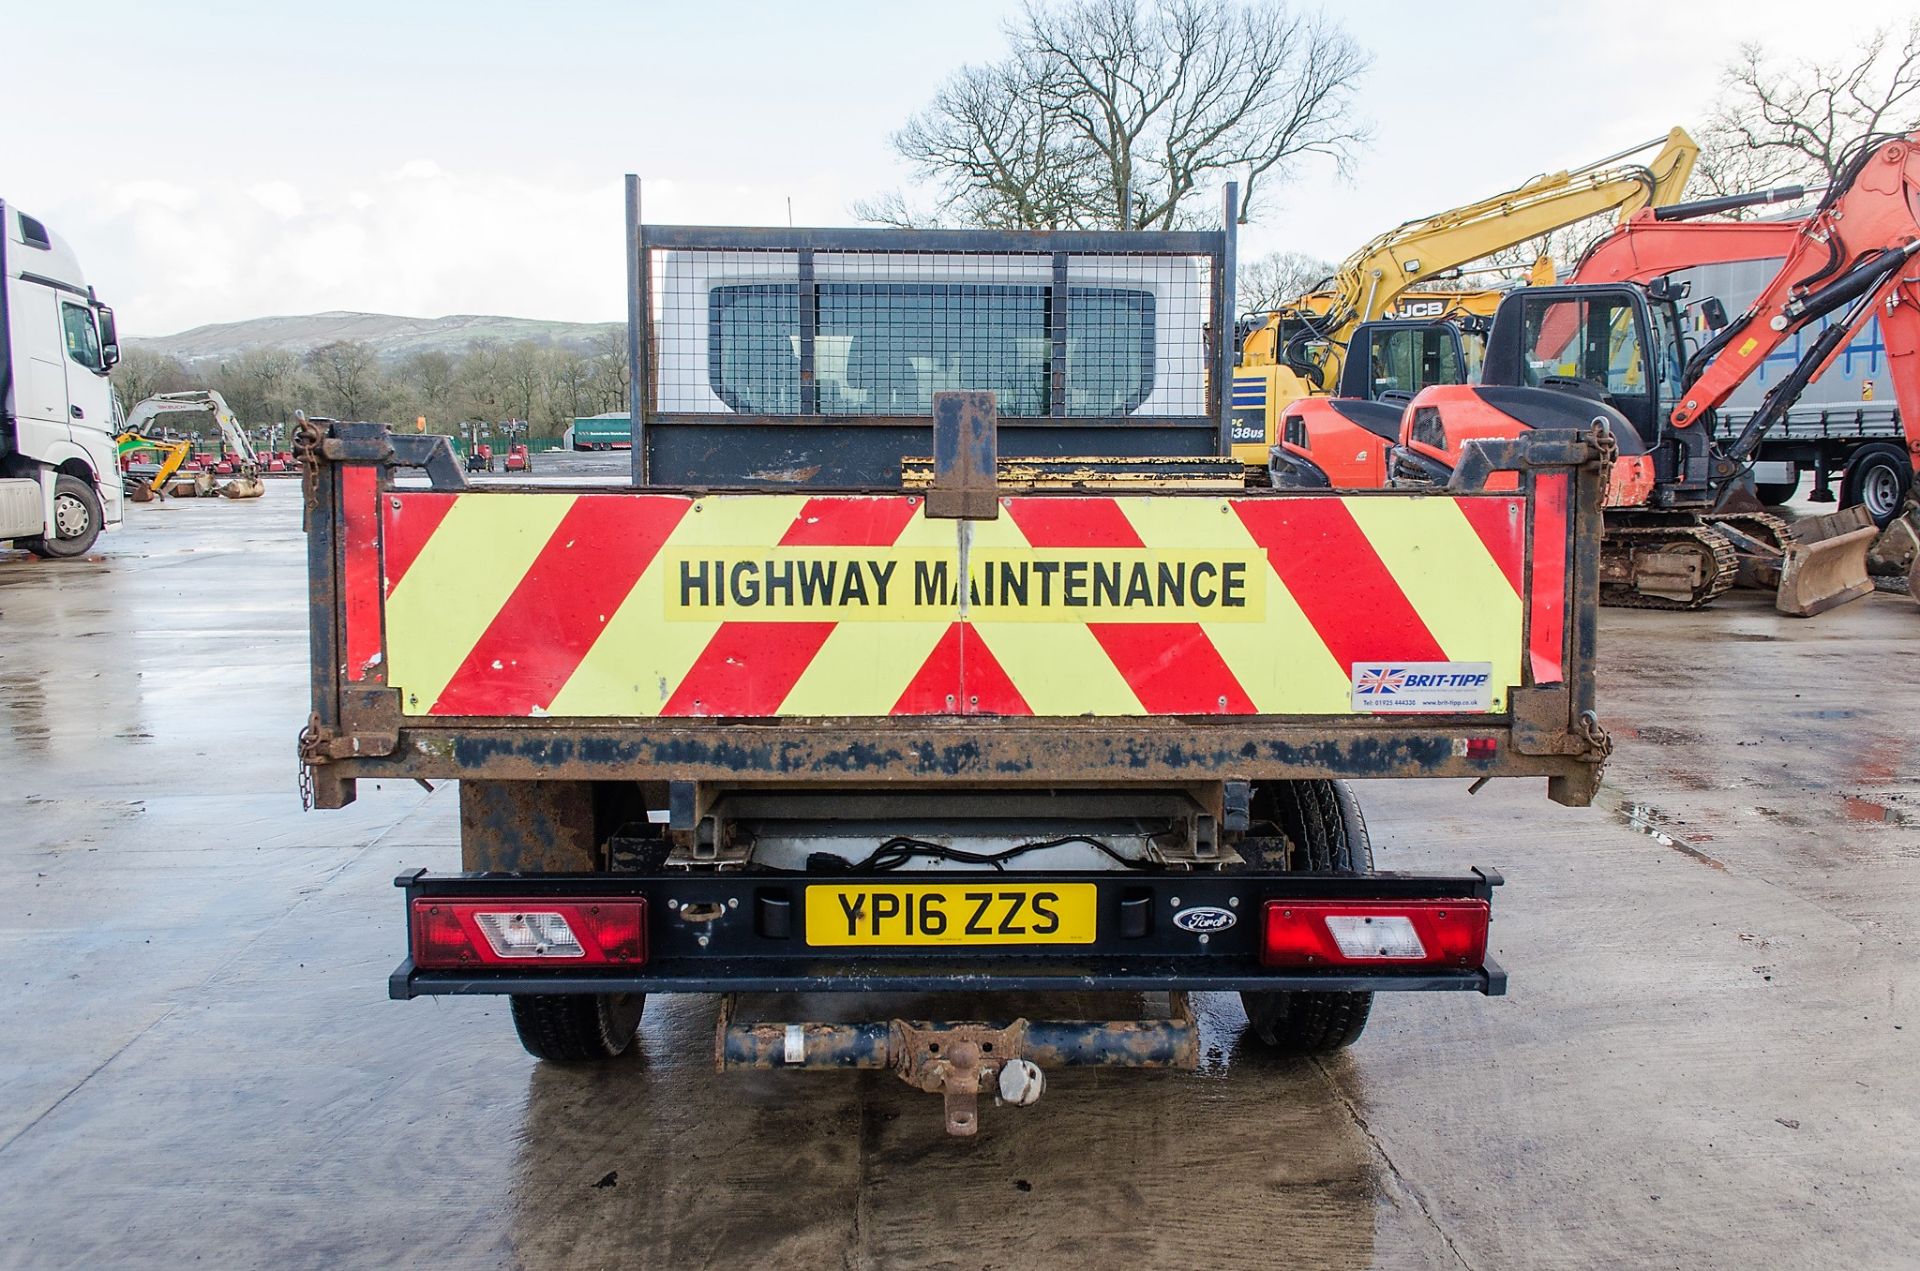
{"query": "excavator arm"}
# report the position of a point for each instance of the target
(172, 455)
(1857, 256)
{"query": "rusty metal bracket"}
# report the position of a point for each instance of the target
(375, 444)
(1545, 723)
(1532, 451)
(966, 448)
(370, 727)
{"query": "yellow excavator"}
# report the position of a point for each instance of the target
(169, 453)
(1297, 350)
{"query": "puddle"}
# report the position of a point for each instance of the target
(1646, 819)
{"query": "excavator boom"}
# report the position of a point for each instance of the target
(1370, 282)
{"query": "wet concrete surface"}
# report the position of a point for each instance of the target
(1707, 1057)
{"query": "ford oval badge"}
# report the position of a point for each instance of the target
(1204, 918)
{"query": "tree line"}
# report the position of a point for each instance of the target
(545, 385)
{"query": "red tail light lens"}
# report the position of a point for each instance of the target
(1369, 933)
(450, 934)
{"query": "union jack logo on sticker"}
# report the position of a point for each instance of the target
(1378, 680)
(1429, 688)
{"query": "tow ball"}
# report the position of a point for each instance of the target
(962, 1061)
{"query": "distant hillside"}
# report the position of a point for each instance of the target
(393, 337)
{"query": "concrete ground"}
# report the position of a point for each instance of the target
(1708, 1056)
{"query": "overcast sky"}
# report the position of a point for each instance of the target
(216, 161)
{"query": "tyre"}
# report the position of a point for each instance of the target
(1775, 493)
(1878, 476)
(1325, 832)
(76, 521)
(577, 1027)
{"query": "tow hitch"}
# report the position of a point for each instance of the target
(962, 1061)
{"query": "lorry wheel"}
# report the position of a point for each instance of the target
(577, 1027)
(1775, 493)
(1878, 476)
(76, 521)
(1326, 832)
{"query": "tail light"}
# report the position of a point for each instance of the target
(451, 934)
(1396, 933)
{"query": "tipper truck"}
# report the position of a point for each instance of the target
(939, 646)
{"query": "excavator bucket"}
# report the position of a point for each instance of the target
(1826, 563)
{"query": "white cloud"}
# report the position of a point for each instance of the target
(279, 197)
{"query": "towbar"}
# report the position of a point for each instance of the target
(962, 1061)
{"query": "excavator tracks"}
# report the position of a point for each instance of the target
(1679, 566)
(1775, 531)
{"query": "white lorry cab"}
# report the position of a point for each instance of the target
(59, 476)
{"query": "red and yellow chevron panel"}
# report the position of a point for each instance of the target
(761, 605)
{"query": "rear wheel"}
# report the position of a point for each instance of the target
(76, 521)
(577, 1027)
(1878, 476)
(1324, 832)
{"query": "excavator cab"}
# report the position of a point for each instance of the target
(1342, 442)
(1617, 345)
(1564, 357)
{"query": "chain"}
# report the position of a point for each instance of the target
(1599, 740)
(308, 744)
(307, 437)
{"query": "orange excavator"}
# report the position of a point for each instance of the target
(1336, 441)
(1613, 351)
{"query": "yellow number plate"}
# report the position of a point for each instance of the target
(934, 913)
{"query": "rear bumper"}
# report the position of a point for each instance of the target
(757, 942)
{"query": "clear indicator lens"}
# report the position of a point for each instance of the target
(1375, 937)
(529, 935)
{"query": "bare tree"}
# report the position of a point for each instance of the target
(523, 376)
(483, 391)
(142, 373)
(1003, 154)
(1119, 113)
(262, 385)
(1279, 278)
(431, 377)
(612, 377)
(570, 385)
(348, 373)
(1803, 120)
